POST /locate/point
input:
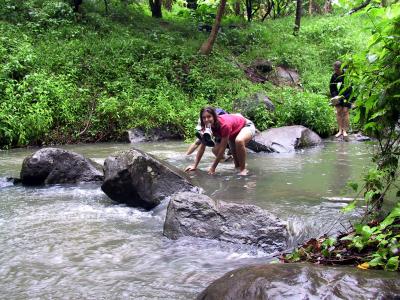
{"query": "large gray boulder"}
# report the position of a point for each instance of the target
(284, 139)
(140, 180)
(54, 165)
(197, 215)
(303, 281)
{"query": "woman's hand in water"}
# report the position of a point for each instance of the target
(190, 168)
(211, 171)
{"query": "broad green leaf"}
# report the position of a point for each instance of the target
(377, 261)
(349, 207)
(392, 264)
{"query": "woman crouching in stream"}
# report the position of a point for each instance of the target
(229, 128)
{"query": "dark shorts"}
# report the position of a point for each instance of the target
(344, 103)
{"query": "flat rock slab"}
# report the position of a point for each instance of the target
(139, 179)
(303, 281)
(198, 215)
(55, 166)
(284, 139)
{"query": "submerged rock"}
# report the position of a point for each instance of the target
(54, 165)
(8, 181)
(303, 281)
(196, 215)
(284, 139)
(361, 138)
(138, 179)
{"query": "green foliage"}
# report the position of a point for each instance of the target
(374, 245)
(384, 237)
(374, 73)
(327, 246)
(37, 14)
(205, 11)
(304, 108)
(89, 77)
(16, 53)
(295, 256)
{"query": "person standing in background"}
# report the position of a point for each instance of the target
(340, 98)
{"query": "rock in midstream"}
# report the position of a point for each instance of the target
(54, 166)
(197, 215)
(138, 179)
(284, 139)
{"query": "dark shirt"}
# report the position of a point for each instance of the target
(337, 87)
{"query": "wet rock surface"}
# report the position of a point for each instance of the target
(303, 281)
(197, 215)
(284, 139)
(137, 135)
(8, 181)
(55, 166)
(354, 137)
(138, 179)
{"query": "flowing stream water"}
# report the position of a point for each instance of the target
(72, 241)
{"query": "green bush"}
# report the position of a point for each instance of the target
(304, 108)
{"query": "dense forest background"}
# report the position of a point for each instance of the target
(85, 71)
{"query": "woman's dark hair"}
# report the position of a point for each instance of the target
(210, 110)
(337, 64)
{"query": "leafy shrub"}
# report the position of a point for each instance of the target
(16, 53)
(37, 14)
(304, 108)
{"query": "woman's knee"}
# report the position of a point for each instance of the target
(240, 143)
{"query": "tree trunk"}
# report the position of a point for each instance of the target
(155, 6)
(249, 8)
(328, 6)
(310, 7)
(191, 4)
(298, 17)
(237, 8)
(268, 10)
(106, 6)
(77, 3)
(168, 4)
(206, 48)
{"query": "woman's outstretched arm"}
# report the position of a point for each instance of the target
(219, 155)
(197, 160)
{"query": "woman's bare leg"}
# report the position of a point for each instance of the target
(339, 120)
(345, 120)
(232, 147)
(241, 140)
